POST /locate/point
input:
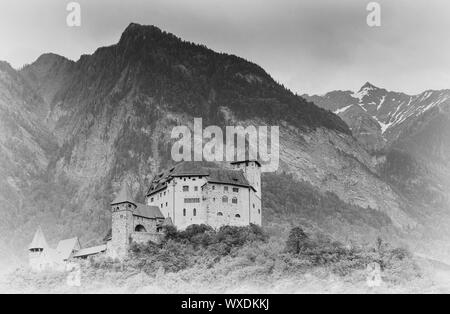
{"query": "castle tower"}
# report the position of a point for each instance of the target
(37, 251)
(252, 172)
(122, 209)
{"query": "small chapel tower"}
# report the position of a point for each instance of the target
(37, 251)
(122, 209)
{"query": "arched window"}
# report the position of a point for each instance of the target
(184, 212)
(219, 214)
(140, 228)
(237, 216)
(259, 211)
(195, 212)
(234, 200)
(224, 199)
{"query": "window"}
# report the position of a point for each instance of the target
(164, 193)
(214, 199)
(191, 200)
(184, 212)
(235, 200)
(236, 190)
(161, 205)
(238, 216)
(151, 200)
(253, 205)
(259, 211)
(224, 199)
(166, 204)
(213, 187)
(160, 194)
(219, 214)
(196, 188)
(225, 188)
(185, 188)
(195, 212)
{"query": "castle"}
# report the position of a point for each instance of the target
(186, 194)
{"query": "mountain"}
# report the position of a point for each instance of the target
(25, 146)
(410, 138)
(378, 117)
(111, 115)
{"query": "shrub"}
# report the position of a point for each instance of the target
(297, 241)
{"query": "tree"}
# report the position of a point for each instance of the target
(296, 241)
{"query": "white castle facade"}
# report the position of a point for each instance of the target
(192, 194)
(184, 195)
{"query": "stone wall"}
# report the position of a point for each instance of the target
(220, 213)
(145, 237)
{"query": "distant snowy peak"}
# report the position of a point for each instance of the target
(391, 111)
(366, 90)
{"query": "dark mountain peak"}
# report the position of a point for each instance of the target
(51, 57)
(135, 32)
(46, 62)
(5, 66)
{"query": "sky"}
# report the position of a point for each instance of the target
(310, 46)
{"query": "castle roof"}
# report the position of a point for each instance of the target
(66, 247)
(124, 196)
(212, 173)
(148, 211)
(90, 251)
(246, 161)
(230, 177)
(39, 241)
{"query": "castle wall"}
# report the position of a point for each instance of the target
(150, 225)
(255, 209)
(163, 200)
(220, 213)
(189, 205)
(145, 237)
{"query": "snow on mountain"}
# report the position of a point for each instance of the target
(392, 111)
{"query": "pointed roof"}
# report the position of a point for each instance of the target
(124, 196)
(66, 248)
(39, 241)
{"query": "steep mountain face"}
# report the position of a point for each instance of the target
(112, 114)
(25, 145)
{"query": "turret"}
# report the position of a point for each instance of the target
(122, 209)
(252, 172)
(36, 250)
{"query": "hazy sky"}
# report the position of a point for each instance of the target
(311, 46)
